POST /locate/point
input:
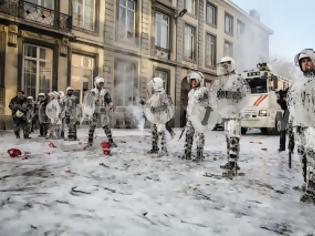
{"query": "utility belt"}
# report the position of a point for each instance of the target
(100, 110)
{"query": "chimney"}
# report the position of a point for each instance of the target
(254, 14)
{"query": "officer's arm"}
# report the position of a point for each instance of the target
(108, 98)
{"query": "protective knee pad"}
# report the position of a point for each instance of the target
(155, 137)
(200, 140)
(310, 160)
(189, 139)
(234, 147)
(91, 133)
(303, 159)
(162, 140)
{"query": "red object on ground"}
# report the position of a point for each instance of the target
(14, 152)
(106, 147)
(51, 145)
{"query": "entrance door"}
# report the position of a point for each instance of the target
(185, 87)
(82, 75)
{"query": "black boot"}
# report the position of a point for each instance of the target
(17, 133)
(187, 154)
(91, 135)
(309, 194)
(108, 133)
(200, 155)
(226, 166)
(113, 143)
(229, 166)
(153, 151)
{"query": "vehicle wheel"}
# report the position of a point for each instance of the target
(243, 131)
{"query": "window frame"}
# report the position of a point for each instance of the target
(135, 19)
(194, 3)
(168, 48)
(231, 48)
(94, 70)
(168, 79)
(38, 60)
(135, 82)
(238, 32)
(96, 19)
(227, 15)
(208, 3)
(210, 35)
(194, 58)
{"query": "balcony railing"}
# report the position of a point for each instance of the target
(37, 14)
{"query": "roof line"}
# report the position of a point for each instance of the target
(245, 13)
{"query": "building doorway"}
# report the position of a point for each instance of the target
(185, 87)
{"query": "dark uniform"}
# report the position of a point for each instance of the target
(19, 106)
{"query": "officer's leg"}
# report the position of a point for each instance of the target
(155, 137)
(16, 127)
(282, 140)
(200, 141)
(161, 137)
(109, 135)
(299, 135)
(92, 127)
(309, 194)
(190, 132)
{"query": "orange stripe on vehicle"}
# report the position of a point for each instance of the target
(261, 100)
(257, 100)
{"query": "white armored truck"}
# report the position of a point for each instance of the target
(263, 111)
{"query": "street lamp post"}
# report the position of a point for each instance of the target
(176, 17)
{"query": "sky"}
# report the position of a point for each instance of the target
(292, 21)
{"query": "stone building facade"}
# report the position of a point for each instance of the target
(50, 44)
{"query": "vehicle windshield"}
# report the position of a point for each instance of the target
(257, 85)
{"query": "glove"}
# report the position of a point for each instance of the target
(204, 122)
(19, 114)
(142, 102)
(153, 110)
(67, 119)
(203, 97)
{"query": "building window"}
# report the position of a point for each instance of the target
(162, 24)
(240, 28)
(126, 83)
(211, 14)
(190, 6)
(164, 74)
(211, 49)
(228, 49)
(82, 69)
(228, 24)
(37, 70)
(190, 42)
(126, 18)
(50, 4)
(83, 14)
